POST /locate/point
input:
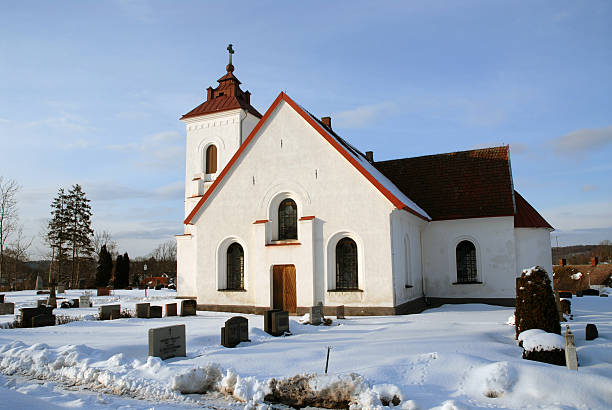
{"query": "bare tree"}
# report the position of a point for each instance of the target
(8, 215)
(104, 238)
(18, 250)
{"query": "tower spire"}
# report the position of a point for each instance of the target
(230, 67)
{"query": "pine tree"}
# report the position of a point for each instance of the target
(104, 268)
(122, 271)
(126, 271)
(118, 270)
(57, 236)
(79, 231)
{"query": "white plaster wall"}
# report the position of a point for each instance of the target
(495, 252)
(288, 156)
(185, 266)
(406, 242)
(533, 248)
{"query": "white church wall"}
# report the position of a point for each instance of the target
(533, 248)
(290, 157)
(495, 253)
(185, 266)
(406, 243)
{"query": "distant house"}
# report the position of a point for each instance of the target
(282, 212)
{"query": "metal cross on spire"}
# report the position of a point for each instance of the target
(230, 51)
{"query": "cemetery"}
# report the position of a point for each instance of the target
(165, 351)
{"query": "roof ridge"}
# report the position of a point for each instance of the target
(446, 153)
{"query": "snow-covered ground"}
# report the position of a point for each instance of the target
(456, 356)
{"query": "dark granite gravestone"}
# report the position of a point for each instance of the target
(590, 292)
(170, 309)
(316, 315)
(43, 320)
(41, 302)
(1, 298)
(105, 311)
(75, 303)
(236, 330)
(155, 312)
(566, 295)
(340, 312)
(603, 295)
(276, 322)
(103, 292)
(26, 314)
(143, 310)
(7, 308)
(188, 307)
(591, 332)
(578, 293)
(65, 304)
(167, 342)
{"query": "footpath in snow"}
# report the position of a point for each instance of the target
(456, 356)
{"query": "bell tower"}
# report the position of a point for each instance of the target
(215, 130)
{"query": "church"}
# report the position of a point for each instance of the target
(282, 212)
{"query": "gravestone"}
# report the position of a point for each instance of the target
(603, 295)
(236, 330)
(578, 293)
(167, 342)
(115, 314)
(590, 292)
(52, 299)
(66, 304)
(340, 312)
(7, 308)
(591, 332)
(84, 301)
(103, 291)
(188, 307)
(41, 302)
(61, 289)
(1, 298)
(142, 310)
(75, 303)
(170, 309)
(105, 311)
(39, 283)
(571, 360)
(43, 320)
(316, 315)
(26, 314)
(155, 312)
(276, 322)
(559, 309)
(566, 295)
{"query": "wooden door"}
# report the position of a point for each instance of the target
(284, 288)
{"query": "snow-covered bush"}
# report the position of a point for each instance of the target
(541, 346)
(535, 302)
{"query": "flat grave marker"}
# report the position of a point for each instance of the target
(7, 308)
(167, 342)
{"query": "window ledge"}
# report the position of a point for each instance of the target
(409, 286)
(231, 290)
(467, 283)
(287, 242)
(345, 290)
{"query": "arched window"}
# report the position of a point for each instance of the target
(235, 267)
(287, 220)
(466, 262)
(211, 159)
(346, 264)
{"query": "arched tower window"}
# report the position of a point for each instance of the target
(287, 220)
(466, 262)
(235, 267)
(346, 264)
(211, 159)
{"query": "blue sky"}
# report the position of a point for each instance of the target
(92, 92)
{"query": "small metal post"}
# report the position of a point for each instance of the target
(327, 361)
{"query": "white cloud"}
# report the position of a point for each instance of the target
(164, 149)
(580, 216)
(582, 141)
(362, 116)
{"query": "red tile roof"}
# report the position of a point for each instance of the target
(227, 96)
(457, 185)
(526, 215)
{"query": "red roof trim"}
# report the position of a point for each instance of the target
(261, 221)
(284, 97)
(284, 244)
(307, 218)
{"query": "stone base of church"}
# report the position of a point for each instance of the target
(411, 307)
(437, 302)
